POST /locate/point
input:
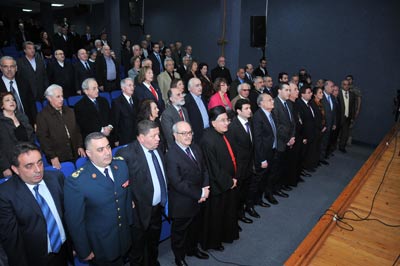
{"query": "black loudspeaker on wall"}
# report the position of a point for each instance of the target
(258, 31)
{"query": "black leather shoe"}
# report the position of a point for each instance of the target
(199, 254)
(343, 150)
(271, 199)
(305, 174)
(300, 180)
(264, 204)
(181, 262)
(286, 188)
(281, 194)
(252, 212)
(220, 248)
(311, 170)
(240, 228)
(246, 220)
(324, 162)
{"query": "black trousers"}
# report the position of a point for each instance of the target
(60, 258)
(344, 133)
(185, 235)
(144, 250)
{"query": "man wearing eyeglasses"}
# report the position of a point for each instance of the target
(18, 86)
(188, 188)
(175, 112)
(243, 93)
(240, 79)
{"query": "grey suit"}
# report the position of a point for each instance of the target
(37, 79)
(169, 117)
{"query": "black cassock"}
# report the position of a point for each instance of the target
(220, 214)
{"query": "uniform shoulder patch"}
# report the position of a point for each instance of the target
(118, 158)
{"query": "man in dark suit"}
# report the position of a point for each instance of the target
(269, 86)
(123, 114)
(146, 167)
(347, 102)
(258, 88)
(221, 71)
(265, 159)
(157, 60)
(240, 135)
(32, 68)
(92, 112)
(189, 187)
(83, 69)
(87, 39)
(261, 70)
(175, 112)
(240, 78)
(330, 120)
(63, 42)
(97, 195)
(196, 106)
(107, 70)
(286, 126)
(21, 36)
(62, 73)
(182, 70)
(31, 212)
(19, 87)
(249, 73)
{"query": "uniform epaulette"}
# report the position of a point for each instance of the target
(118, 158)
(77, 173)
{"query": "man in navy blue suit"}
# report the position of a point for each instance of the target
(98, 205)
(31, 212)
(188, 188)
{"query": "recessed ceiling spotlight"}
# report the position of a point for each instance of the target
(26, 10)
(57, 5)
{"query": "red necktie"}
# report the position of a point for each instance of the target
(181, 114)
(230, 153)
(153, 91)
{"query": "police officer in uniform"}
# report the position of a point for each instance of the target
(98, 205)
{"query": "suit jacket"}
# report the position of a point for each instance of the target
(218, 160)
(330, 114)
(195, 116)
(23, 230)
(19, 40)
(169, 117)
(164, 82)
(284, 126)
(123, 118)
(352, 105)
(219, 72)
(63, 76)
(62, 44)
(98, 211)
(81, 73)
(233, 89)
(156, 64)
(53, 137)
(253, 99)
(101, 70)
(309, 122)
(25, 93)
(139, 173)
(264, 139)
(143, 93)
(186, 179)
(36, 79)
(88, 118)
(87, 43)
(243, 148)
(259, 73)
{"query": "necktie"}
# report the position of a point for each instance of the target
(288, 111)
(228, 145)
(247, 127)
(87, 66)
(16, 97)
(153, 91)
(346, 94)
(107, 174)
(159, 61)
(96, 105)
(161, 180)
(131, 102)
(190, 155)
(330, 102)
(52, 228)
(181, 114)
(271, 121)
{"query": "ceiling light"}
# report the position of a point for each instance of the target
(26, 10)
(57, 5)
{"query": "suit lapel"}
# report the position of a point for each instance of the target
(52, 187)
(26, 196)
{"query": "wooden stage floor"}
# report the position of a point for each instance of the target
(362, 227)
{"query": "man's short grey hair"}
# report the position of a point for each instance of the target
(85, 83)
(50, 90)
(6, 57)
(260, 98)
(257, 78)
(97, 41)
(123, 81)
(241, 86)
(186, 57)
(91, 136)
(144, 61)
(175, 126)
(168, 60)
(190, 83)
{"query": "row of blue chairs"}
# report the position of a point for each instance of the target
(72, 100)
